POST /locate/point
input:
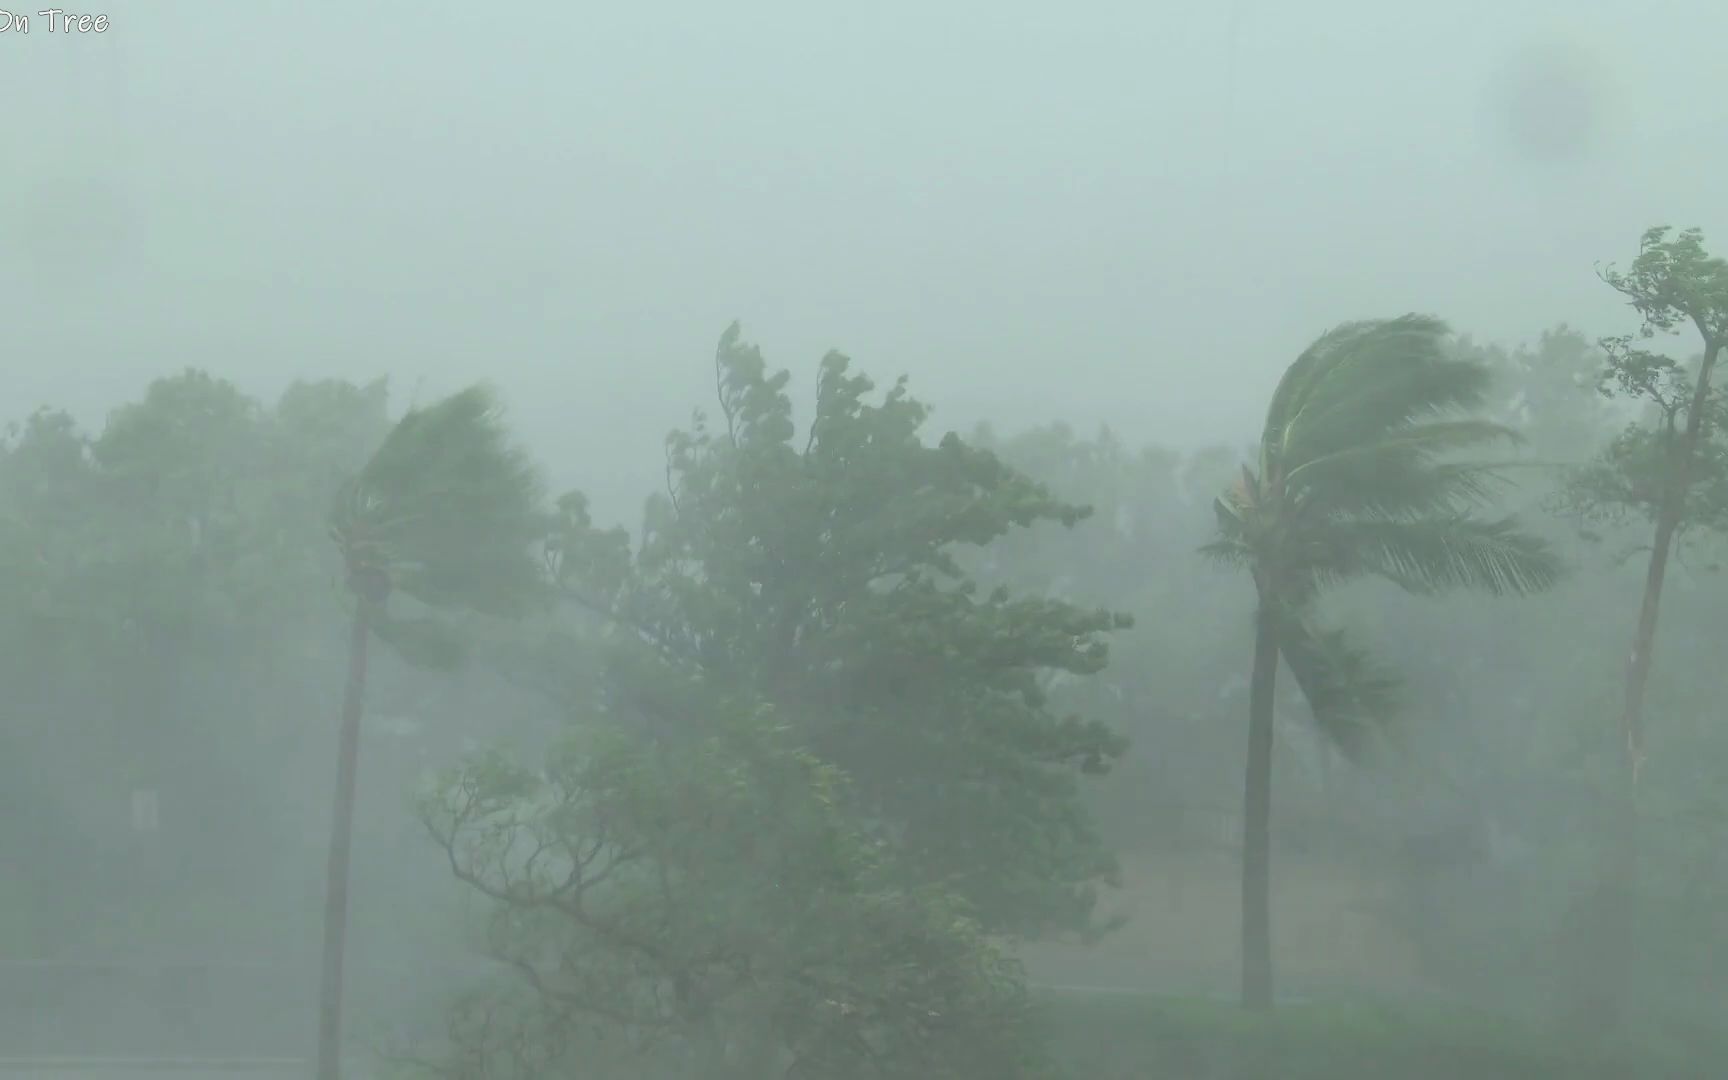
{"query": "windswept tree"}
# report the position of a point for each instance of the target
(819, 781)
(1674, 286)
(682, 888)
(445, 516)
(1359, 475)
(820, 572)
(1672, 471)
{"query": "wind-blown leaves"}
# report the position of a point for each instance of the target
(1364, 472)
(448, 510)
(1343, 393)
(1442, 553)
(711, 896)
(1348, 692)
(1675, 281)
(1357, 478)
(823, 570)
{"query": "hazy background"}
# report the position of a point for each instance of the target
(1132, 213)
(1123, 213)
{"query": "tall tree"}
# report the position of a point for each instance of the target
(1673, 284)
(446, 514)
(1356, 478)
(820, 572)
(1675, 474)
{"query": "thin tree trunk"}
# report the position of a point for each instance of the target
(341, 841)
(1612, 938)
(1257, 819)
(1644, 641)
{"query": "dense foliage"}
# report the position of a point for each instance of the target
(820, 574)
(912, 793)
(851, 741)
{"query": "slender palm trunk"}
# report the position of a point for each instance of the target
(1257, 818)
(1612, 938)
(341, 841)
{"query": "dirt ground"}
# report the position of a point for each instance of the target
(1184, 925)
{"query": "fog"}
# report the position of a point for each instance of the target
(991, 197)
(1122, 216)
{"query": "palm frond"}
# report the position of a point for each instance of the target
(1401, 474)
(1338, 358)
(1358, 478)
(1226, 552)
(1443, 490)
(1372, 380)
(1293, 389)
(450, 508)
(1230, 547)
(1435, 554)
(1402, 447)
(1351, 696)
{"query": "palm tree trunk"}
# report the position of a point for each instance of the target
(1612, 938)
(341, 841)
(1257, 818)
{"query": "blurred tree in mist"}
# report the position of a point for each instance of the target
(820, 573)
(446, 514)
(1670, 469)
(708, 904)
(1358, 475)
(819, 780)
(1171, 677)
(1503, 750)
(163, 570)
(835, 772)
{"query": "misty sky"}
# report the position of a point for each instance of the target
(1133, 213)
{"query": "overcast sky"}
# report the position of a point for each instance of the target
(1131, 213)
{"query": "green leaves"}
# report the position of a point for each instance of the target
(823, 572)
(1362, 474)
(1675, 281)
(706, 893)
(1439, 554)
(1674, 462)
(1349, 694)
(447, 511)
(1362, 381)
(195, 512)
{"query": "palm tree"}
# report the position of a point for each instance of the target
(1353, 481)
(446, 513)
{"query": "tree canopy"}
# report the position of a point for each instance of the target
(821, 575)
(1363, 471)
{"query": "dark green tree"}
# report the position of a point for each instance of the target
(1169, 678)
(819, 574)
(682, 888)
(445, 516)
(1357, 477)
